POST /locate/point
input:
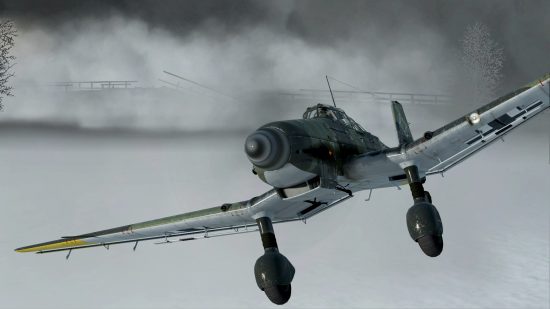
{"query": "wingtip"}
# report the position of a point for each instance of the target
(24, 249)
(56, 244)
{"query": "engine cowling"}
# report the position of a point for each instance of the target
(267, 148)
(274, 273)
(425, 227)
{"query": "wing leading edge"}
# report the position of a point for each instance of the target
(283, 205)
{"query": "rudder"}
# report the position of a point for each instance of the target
(404, 135)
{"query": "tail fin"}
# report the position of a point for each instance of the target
(401, 125)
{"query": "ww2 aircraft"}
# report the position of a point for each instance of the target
(321, 160)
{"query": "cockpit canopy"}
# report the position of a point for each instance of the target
(334, 113)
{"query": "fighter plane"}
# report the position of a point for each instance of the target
(320, 161)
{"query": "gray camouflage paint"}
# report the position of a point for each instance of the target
(322, 140)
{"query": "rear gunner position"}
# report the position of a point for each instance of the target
(321, 160)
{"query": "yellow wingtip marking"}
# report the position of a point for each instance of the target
(55, 245)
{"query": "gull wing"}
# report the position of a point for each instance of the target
(282, 205)
(444, 148)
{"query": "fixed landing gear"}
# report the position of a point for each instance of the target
(273, 271)
(423, 220)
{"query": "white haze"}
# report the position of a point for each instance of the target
(241, 65)
(255, 58)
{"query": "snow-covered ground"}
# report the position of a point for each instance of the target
(495, 209)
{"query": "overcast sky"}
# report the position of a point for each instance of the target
(277, 44)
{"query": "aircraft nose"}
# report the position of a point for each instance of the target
(257, 146)
(267, 148)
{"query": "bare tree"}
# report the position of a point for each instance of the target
(482, 60)
(7, 40)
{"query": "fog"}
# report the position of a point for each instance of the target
(67, 169)
(246, 48)
(285, 44)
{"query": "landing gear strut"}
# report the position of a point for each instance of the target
(273, 271)
(423, 220)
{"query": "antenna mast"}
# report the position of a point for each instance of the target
(331, 95)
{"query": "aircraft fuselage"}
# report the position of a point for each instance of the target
(304, 148)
